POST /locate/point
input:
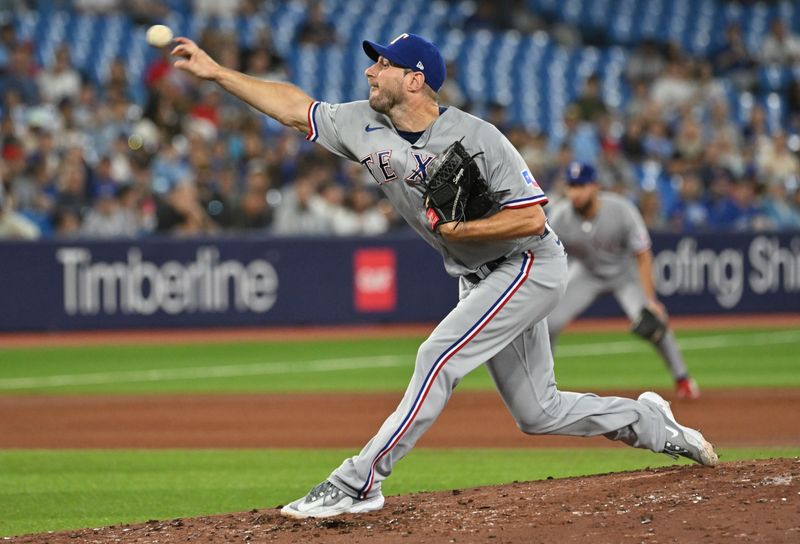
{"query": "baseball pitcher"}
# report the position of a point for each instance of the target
(463, 187)
(609, 252)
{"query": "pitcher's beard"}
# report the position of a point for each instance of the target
(382, 102)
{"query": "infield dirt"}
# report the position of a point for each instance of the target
(736, 502)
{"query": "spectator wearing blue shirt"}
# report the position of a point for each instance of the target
(779, 213)
(657, 141)
(169, 169)
(738, 211)
(689, 213)
(732, 59)
(8, 42)
(581, 137)
(20, 76)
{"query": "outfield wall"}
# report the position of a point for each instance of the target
(155, 283)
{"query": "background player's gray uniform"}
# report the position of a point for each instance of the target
(498, 321)
(602, 259)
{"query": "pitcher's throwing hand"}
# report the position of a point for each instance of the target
(194, 60)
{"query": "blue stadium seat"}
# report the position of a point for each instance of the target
(624, 29)
(84, 31)
(775, 107)
(742, 106)
(774, 78)
(700, 28)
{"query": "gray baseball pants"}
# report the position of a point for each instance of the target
(500, 322)
(583, 288)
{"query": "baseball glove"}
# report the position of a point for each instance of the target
(454, 189)
(649, 326)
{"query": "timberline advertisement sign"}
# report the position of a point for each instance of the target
(158, 283)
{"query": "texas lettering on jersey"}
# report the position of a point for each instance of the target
(420, 172)
(379, 165)
(380, 168)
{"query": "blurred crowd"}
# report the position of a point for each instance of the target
(675, 147)
(79, 159)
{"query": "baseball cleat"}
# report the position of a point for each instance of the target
(326, 500)
(686, 388)
(681, 440)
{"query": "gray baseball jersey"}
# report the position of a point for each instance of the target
(498, 321)
(606, 244)
(602, 258)
(357, 132)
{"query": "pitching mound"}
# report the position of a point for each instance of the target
(750, 501)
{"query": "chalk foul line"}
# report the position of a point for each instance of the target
(597, 349)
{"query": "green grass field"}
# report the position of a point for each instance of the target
(734, 358)
(44, 490)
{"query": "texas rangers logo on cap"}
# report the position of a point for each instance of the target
(412, 52)
(580, 173)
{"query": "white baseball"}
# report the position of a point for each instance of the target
(159, 35)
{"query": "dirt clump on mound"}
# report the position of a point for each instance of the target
(746, 501)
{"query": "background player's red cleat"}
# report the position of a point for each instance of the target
(686, 388)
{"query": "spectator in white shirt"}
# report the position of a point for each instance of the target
(673, 89)
(360, 216)
(14, 226)
(107, 219)
(61, 80)
(780, 46)
(302, 211)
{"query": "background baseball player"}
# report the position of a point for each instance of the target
(609, 252)
(512, 267)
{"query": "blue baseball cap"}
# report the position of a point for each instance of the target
(580, 173)
(412, 52)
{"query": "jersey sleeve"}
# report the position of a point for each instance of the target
(508, 174)
(328, 126)
(638, 238)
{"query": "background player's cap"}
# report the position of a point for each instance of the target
(580, 173)
(412, 52)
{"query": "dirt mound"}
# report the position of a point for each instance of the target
(748, 501)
